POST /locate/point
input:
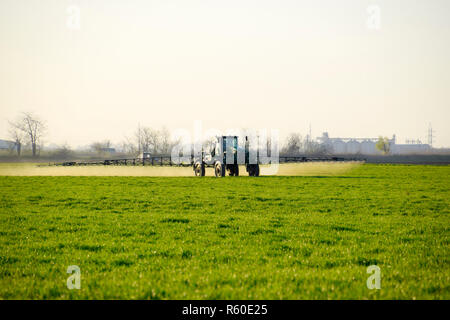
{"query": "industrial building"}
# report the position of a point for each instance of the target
(368, 146)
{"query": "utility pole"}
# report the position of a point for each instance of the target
(430, 135)
(310, 137)
(139, 139)
(308, 140)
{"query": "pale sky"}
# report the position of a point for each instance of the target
(281, 64)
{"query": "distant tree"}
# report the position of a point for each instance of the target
(63, 152)
(129, 147)
(383, 145)
(151, 140)
(31, 126)
(313, 147)
(18, 137)
(165, 144)
(293, 144)
(100, 147)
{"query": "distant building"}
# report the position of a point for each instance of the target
(411, 148)
(108, 150)
(368, 146)
(7, 145)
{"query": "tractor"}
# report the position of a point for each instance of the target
(216, 157)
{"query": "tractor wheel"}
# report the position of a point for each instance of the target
(234, 170)
(199, 170)
(250, 170)
(219, 169)
(256, 172)
(253, 170)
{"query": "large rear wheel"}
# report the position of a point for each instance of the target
(219, 169)
(236, 170)
(233, 170)
(253, 170)
(256, 170)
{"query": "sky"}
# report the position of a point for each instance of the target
(284, 64)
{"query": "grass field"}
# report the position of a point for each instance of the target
(302, 237)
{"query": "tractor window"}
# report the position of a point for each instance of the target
(213, 151)
(216, 152)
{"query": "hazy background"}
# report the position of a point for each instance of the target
(263, 64)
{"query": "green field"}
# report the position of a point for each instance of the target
(303, 237)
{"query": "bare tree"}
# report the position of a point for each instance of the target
(31, 126)
(165, 145)
(101, 146)
(293, 144)
(151, 140)
(145, 140)
(63, 152)
(129, 147)
(313, 147)
(18, 137)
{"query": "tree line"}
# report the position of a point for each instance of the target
(295, 144)
(28, 130)
(146, 139)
